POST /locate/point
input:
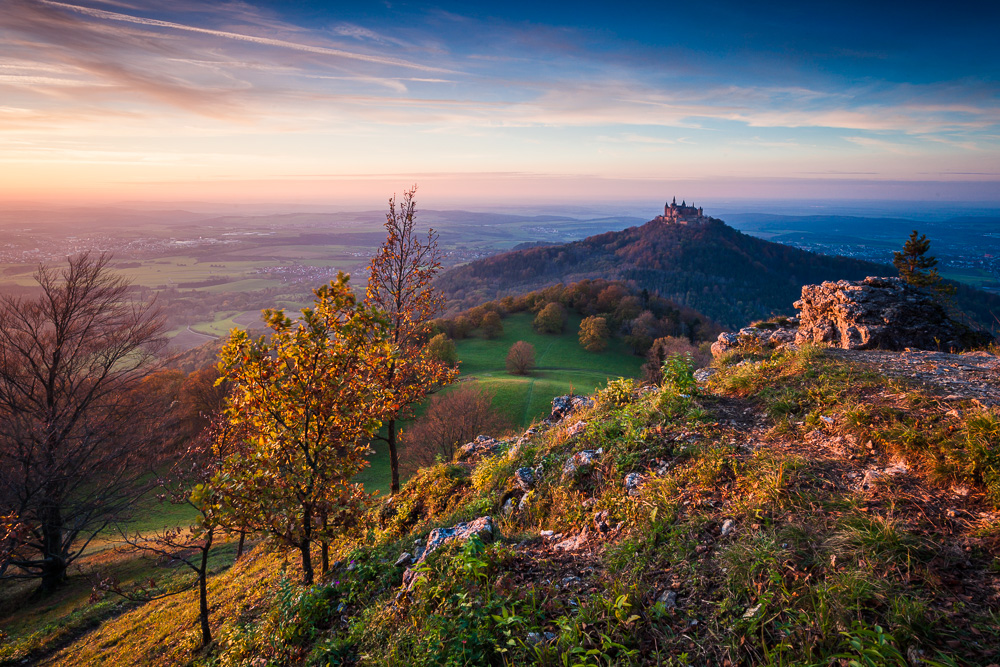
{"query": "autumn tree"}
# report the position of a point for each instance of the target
(75, 435)
(399, 285)
(309, 396)
(451, 420)
(442, 348)
(594, 334)
(916, 267)
(520, 358)
(550, 319)
(492, 325)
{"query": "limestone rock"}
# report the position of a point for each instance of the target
(582, 461)
(481, 527)
(668, 599)
(564, 405)
(879, 313)
(763, 336)
(633, 482)
(524, 478)
(483, 446)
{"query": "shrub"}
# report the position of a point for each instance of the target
(521, 358)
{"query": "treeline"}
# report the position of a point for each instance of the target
(712, 268)
(636, 315)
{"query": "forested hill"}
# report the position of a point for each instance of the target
(711, 267)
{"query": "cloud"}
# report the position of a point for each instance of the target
(265, 41)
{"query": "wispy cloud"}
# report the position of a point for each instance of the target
(265, 41)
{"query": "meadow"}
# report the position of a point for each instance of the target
(562, 367)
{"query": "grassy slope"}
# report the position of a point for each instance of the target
(561, 363)
(777, 447)
(562, 366)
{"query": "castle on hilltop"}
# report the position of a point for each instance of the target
(681, 214)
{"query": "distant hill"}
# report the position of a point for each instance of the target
(728, 275)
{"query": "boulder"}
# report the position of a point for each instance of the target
(879, 313)
(633, 483)
(483, 446)
(481, 527)
(581, 461)
(524, 478)
(564, 405)
(765, 336)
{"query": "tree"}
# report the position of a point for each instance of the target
(916, 267)
(309, 397)
(73, 427)
(520, 358)
(451, 420)
(399, 285)
(644, 329)
(550, 319)
(594, 334)
(442, 348)
(189, 546)
(492, 325)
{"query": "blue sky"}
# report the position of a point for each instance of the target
(324, 101)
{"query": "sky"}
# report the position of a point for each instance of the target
(308, 101)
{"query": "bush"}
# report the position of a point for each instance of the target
(521, 358)
(442, 348)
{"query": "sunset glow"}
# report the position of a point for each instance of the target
(125, 100)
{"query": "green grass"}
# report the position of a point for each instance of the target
(561, 365)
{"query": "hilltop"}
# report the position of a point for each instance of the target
(704, 264)
(795, 506)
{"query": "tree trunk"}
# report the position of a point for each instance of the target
(326, 556)
(206, 631)
(307, 568)
(239, 548)
(54, 567)
(393, 456)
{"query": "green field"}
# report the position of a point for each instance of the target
(562, 366)
(975, 277)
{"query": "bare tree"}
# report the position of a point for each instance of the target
(451, 420)
(73, 445)
(520, 358)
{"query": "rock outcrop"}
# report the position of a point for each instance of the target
(878, 313)
(481, 527)
(483, 446)
(765, 336)
(564, 405)
(869, 314)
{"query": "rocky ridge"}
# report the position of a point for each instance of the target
(870, 314)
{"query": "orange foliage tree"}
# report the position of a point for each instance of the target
(309, 398)
(399, 285)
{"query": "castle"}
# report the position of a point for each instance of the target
(680, 214)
